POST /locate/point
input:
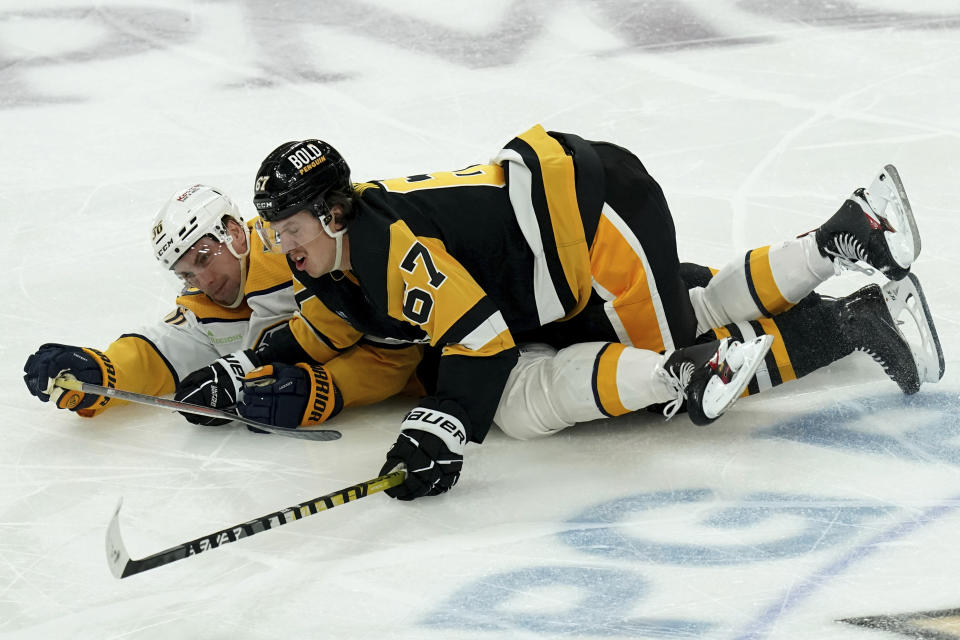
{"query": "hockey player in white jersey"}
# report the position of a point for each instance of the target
(237, 297)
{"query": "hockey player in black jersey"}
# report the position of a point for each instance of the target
(570, 243)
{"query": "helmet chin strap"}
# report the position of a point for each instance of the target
(242, 257)
(337, 236)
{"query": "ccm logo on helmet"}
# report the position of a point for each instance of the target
(307, 158)
(158, 237)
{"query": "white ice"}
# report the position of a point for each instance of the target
(829, 498)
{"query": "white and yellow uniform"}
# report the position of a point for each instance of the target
(155, 359)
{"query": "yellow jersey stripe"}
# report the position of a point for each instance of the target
(559, 187)
(499, 343)
(721, 332)
(620, 267)
(762, 284)
(606, 391)
(778, 349)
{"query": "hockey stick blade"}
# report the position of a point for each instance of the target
(117, 557)
(303, 433)
(122, 565)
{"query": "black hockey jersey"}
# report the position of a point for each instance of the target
(464, 259)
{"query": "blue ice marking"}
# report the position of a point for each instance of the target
(933, 433)
(819, 523)
(605, 598)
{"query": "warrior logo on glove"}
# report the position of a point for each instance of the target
(86, 365)
(290, 395)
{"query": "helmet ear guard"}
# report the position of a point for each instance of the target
(325, 221)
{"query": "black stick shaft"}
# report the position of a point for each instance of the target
(246, 529)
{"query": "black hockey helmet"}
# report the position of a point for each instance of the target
(296, 175)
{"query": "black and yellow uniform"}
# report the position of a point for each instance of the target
(559, 239)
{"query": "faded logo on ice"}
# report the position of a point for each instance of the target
(921, 427)
(654, 25)
(625, 551)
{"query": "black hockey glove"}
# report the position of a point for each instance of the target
(430, 447)
(86, 365)
(290, 395)
(216, 385)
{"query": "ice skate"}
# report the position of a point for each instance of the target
(711, 376)
(911, 315)
(867, 325)
(874, 226)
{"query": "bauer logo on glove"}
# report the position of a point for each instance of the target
(429, 420)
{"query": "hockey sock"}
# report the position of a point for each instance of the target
(806, 338)
(767, 281)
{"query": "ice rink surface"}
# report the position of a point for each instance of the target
(832, 498)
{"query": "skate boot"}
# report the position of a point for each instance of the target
(867, 325)
(711, 376)
(911, 315)
(875, 226)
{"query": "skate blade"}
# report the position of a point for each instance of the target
(719, 396)
(912, 317)
(888, 199)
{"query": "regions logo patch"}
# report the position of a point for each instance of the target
(922, 625)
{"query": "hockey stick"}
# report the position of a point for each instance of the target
(305, 433)
(122, 565)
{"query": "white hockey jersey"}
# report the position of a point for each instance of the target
(154, 360)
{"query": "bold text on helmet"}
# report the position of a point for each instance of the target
(308, 154)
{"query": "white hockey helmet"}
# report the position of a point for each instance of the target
(189, 215)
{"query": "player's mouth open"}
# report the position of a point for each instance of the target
(298, 261)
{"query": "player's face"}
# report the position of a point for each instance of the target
(210, 267)
(302, 238)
